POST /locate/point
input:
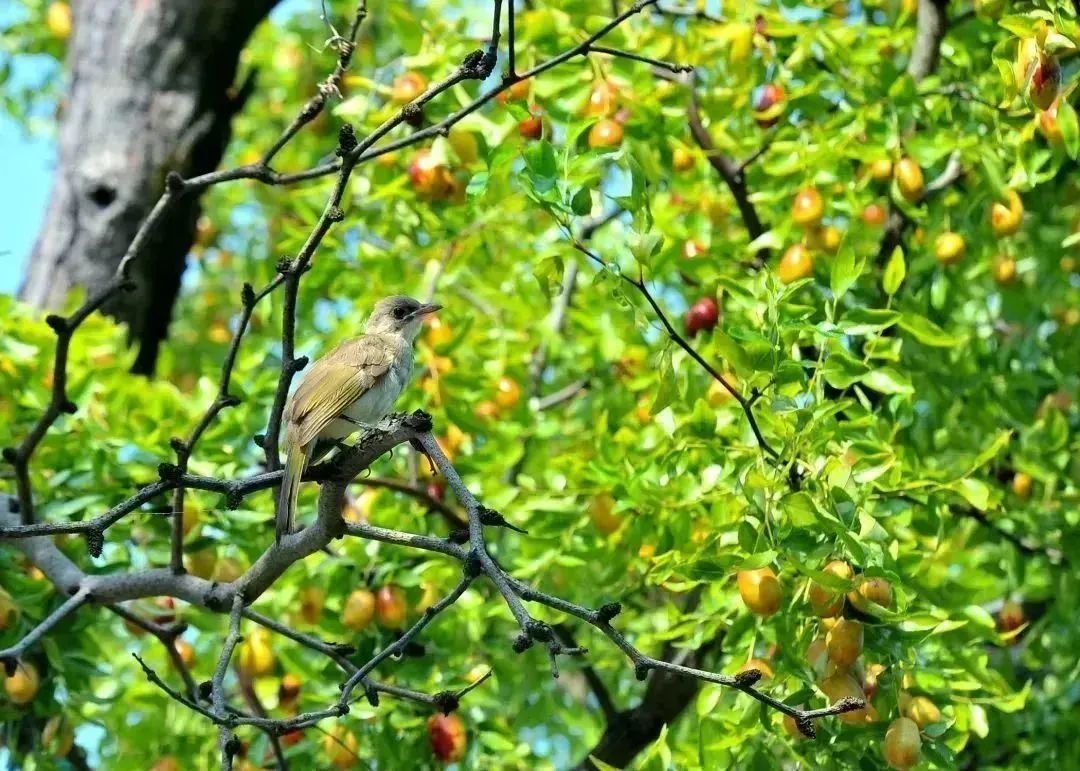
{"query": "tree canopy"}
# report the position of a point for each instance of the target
(761, 320)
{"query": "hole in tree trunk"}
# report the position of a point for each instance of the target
(102, 195)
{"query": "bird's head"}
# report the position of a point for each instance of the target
(399, 315)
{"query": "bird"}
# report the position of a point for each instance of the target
(351, 387)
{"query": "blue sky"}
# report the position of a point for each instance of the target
(24, 191)
(28, 163)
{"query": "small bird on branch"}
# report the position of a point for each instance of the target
(348, 389)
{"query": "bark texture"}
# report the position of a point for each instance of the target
(151, 91)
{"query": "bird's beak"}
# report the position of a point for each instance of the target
(426, 310)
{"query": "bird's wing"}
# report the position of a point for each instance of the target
(336, 381)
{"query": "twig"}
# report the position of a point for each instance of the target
(10, 656)
(671, 66)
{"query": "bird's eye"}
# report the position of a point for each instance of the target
(399, 313)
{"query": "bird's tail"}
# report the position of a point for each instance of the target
(295, 460)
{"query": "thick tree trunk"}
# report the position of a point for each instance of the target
(151, 91)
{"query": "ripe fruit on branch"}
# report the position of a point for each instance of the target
(602, 513)
(874, 590)
(312, 600)
(288, 689)
(507, 392)
(256, 657)
(359, 610)
(390, 607)
(760, 591)
(692, 248)
(949, 248)
(843, 686)
(880, 170)
(605, 134)
(340, 745)
(408, 87)
(1037, 73)
(603, 100)
(58, 736)
(517, 92)
(703, 315)
(795, 264)
(682, 160)
(447, 736)
(531, 127)
(874, 215)
(22, 686)
(769, 105)
(922, 711)
(824, 602)
(909, 179)
(1011, 617)
(845, 642)
(1004, 270)
(902, 744)
(58, 20)
(1005, 218)
(807, 207)
(430, 177)
(1050, 126)
(1022, 484)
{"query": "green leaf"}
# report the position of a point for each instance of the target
(581, 203)
(846, 269)
(973, 491)
(1070, 132)
(731, 352)
(889, 380)
(929, 333)
(895, 271)
(645, 246)
(865, 321)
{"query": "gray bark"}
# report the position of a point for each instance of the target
(151, 91)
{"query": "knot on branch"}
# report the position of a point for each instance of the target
(747, 678)
(335, 214)
(69, 407)
(298, 364)
(11, 663)
(472, 567)
(247, 296)
(446, 701)
(95, 542)
(343, 649)
(341, 710)
(413, 114)
(346, 140)
(229, 400)
(478, 64)
(418, 421)
(57, 324)
(178, 445)
(233, 499)
(371, 694)
(233, 746)
(259, 439)
(522, 643)
(284, 266)
(492, 518)
(169, 472)
(174, 183)
(11, 456)
(805, 726)
(849, 704)
(641, 670)
(608, 611)
(540, 631)
(204, 689)
(459, 536)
